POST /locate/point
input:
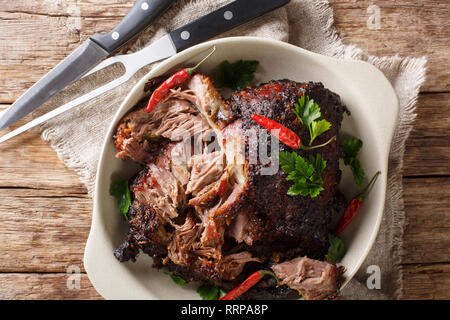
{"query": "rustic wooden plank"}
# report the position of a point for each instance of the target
(30, 47)
(30, 155)
(42, 231)
(48, 30)
(27, 161)
(85, 8)
(408, 28)
(426, 281)
(35, 36)
(32, 44)
(46, 232)
(427, 233)
(419, 282)
(428, 147)
(34, 286)
(420, 234)
(427, 151)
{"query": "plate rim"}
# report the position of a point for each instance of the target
(339, 63)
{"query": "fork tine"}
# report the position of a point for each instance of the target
(66, 107)
(104, 64)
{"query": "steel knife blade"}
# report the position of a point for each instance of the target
(85, 57)
(208, 26)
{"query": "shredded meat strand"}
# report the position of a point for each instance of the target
(206, 211)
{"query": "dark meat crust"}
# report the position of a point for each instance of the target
(282, 227)
(293, 225)
(145, 233)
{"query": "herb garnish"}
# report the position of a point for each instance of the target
(310, 116)
(177, 279)
(349, 152)
(306, 173)
(119, 189)
(210, 292)
(336, 251)
(236, 75)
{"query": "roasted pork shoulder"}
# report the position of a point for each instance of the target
(207, 209)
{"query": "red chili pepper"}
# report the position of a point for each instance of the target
(253, 279)
(354, 205)
(173, 81)
(285, 135)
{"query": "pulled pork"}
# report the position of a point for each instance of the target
(313, 279)
(205, 211)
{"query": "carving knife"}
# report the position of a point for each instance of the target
(209, 26)
(88, 55)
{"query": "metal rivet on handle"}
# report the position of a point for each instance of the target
(228, 15)
(144, 6)
(185, 35)
(115, 35)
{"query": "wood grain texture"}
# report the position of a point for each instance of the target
(33, 286)
(45, 31)
(26, 161)
(42, 230)
(45, 212)
(407, 28)
(33, 224)
(427, 232)
(428, 147)
(426, 281)
(427, 150)
(420, 282)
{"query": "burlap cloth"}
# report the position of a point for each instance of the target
(77, 136)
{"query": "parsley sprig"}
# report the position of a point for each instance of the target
(236, 75)
(308, 112)
(210, 292)
(336, 250)
(349, 153)
(178, 280)
(120, 190)
(306, 173)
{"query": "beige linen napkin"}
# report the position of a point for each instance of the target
(77, 135)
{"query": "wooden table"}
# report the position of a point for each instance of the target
(45, 212)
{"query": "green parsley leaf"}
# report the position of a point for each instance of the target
(318, 163)
(120, 190)
(349, 152)
(306, 174)
(308, 112)
(305, 189)
(222, 293)
(209, 292)
(287, 161)
(178, 280)
(236, 75)
(336, 251)
(319, 127)
(303, 169)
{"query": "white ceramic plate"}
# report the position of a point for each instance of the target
(363, 89)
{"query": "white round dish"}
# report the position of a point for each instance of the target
(363, 89)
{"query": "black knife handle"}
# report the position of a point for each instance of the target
(221, 20)
(143, 13)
